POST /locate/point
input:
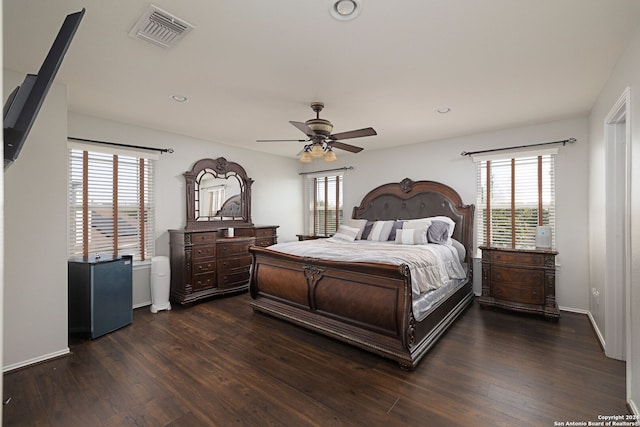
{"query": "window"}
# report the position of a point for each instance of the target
(111, 207)
(325, 210)
(515, 195)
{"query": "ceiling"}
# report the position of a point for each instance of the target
(250, 66)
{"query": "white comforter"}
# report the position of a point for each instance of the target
(431, 265)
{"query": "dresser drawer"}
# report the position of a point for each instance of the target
(208, 237)
(229, 248)
(203, 281)
(203, 251)
(239, 262)
(231, 280)
(204, 267)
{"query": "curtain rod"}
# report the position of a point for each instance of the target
(563, 142)
(345, 168)
(117, 144)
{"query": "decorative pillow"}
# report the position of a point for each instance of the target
(356, 223)
(412, 236)
(366, 230)
(397, 225)
(438, 232)
(452, 224)
(380, 231)
(345, 233)
(417, 223)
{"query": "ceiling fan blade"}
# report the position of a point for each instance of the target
(353, 134)
(346, 147)
(281, 140)
(304, 128)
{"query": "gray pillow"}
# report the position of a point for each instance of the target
(366, 230)
(438, 232)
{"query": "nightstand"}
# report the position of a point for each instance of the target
(520, 279)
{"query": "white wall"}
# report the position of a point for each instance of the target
(625, 74)
(441, 161)
(35, 256)
(275, 179)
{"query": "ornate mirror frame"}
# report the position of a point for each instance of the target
(223, 169)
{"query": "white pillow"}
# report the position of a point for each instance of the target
(412, 236)
(345, 233)
(380, 231)
(417, 223)
(356, 223)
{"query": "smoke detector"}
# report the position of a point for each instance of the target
(160, 27)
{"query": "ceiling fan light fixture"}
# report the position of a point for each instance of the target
(317, 151)
(329, 156)
(305, 157)
(344, 10)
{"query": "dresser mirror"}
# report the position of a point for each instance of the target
(218, 194)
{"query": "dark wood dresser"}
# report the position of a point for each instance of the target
(520, 279)
(205, 262)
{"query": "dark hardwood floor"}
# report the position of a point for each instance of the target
(217, 363)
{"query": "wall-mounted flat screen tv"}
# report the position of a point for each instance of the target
(23, 104)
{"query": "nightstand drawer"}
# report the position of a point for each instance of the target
(265, 232)
(514, 258)
(520, 276)
(265, 242)
(517, 292)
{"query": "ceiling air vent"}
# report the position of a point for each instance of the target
(159, 27)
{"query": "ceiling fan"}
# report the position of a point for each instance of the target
(321, 141)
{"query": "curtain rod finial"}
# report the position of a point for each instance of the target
(464, 153)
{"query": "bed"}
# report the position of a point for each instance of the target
(374, 305)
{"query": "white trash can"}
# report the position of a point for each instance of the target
(160, 283)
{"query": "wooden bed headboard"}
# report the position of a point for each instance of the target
(409, 199)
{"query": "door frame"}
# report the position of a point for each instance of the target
(617, 281)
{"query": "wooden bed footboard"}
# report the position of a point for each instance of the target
(364, 304)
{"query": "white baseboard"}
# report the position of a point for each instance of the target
(598, 333)
(633, 407)
(142, 304)
(574, 310)
(35, 360)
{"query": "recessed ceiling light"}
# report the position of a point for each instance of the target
(179, 98)
(344, 10)
(443, 110)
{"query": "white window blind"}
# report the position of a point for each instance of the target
(111, 206)
(514, 196)
(325, 210)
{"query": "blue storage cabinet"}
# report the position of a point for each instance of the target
(100, 295)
